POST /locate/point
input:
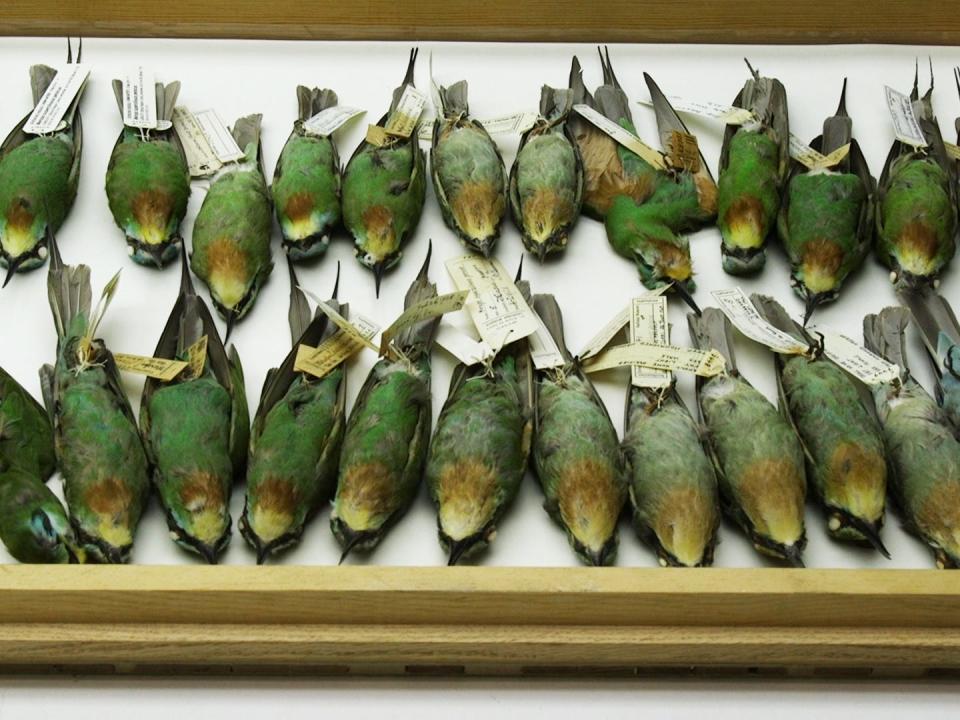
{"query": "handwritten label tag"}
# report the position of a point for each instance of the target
(864, 365)
(517, 123)
(345, 325)
(953, 151)
(140, 99)
(201, 159)
(740, 311)
(716, 111)
(56, 100)
(320, 361)
(157, 368)
(376, 135)
(619, 321)
(403, 120)
(497, 308)
(649, 324)
(423, 310)
(197, 357)
(325, 122)
(219, 137)
(544, 351)
(705, 363)
(622, 136)
(813, 160)
(684, 151)
(905, 125)
(464, 348)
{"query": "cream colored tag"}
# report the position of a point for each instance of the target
(544, 352)
(346, 326)
(953, 151)
(856, 359)
(139, 99)
(197, 357)
(905, 125)
(622, 136)
(497, 308)
(726, 113)
(405, 117)
(423, 310)
(684, 151)
(219, 136)
(740, 311)
(516, 123)
(320, 361)
(810, 158)
(158, 368)
(463, 347)
(327, 121)
(376, 135)
(599, 341)
(201, 159)
(705, 363)
(56, 99)
(649, 324)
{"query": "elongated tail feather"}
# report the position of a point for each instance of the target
(885, 334)
(417, 339)
(712, 331)
(310, 101)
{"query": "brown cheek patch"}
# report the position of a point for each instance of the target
(109, 497)
(771, 493)
(745, 210)
(378, 220)
(225, 257)
(823, 254)
(152, 208)
(202, 490)
(299, 206)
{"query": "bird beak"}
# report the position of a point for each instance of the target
(12, 267)
(378, 270)
(811, 302)
(231, 319)
(794, 556)
(685, 295)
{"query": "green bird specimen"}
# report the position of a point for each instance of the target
(306, 181)
(546, 180)
(576, 454)
(940, 332)
(480, 448)
(196, 427)
(231, 236)
(651, 231)
(148, 183)
(38, 179)
(758, 458)
(384, 189)
(388, 434)
(296, 437)
(673, 486)
(924, 455)
(99, 452)
(840, 437)
(754, 161)
(917, 204)
(33, 524)
(469, 176)
(826, 216)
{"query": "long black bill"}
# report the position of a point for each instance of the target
(687, 298)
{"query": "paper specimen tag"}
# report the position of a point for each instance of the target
(740, 311)
(197, 357)
(864, 365)
(517, 123)
(813, 160)
(463, 347)
(405, 117)
(497, 308)
(219, 137)
(649, 324)
(684, 151)
(56, 100)
(325, 122)
(544, 352)
(622, 136)
(140, 99)
(705, 363)
(716, 111)
(320, 361)
(376, 135)
(423, 310)
(599, 341)
(345, 325)
(905, 124)
(201, 159)
(953, 151)
(158, 368)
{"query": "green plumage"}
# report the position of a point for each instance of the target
(38, 182)
(33, 524)
(26, 437)
(924, 455)
(672, 483)
(148, 183)
(469, 176)
(758, 458)
(546, 180)
(384, 189)
(231, 236)
(306, 182)
(576, 453)
(479, 452)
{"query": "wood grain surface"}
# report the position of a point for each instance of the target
(705, 21)
(476, 620)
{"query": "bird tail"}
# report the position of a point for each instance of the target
(610, 98)
(246, 131)
(581, 96)
(712, 331)
(548, 309)
(555, 103)
(416, 340)
(68, 289)
(407, 79)
(310, 101)
(453, 99)
(837, 129)
(885, 334)
(166, 98)
(935, 318)
(773, 312)
(40, 78)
